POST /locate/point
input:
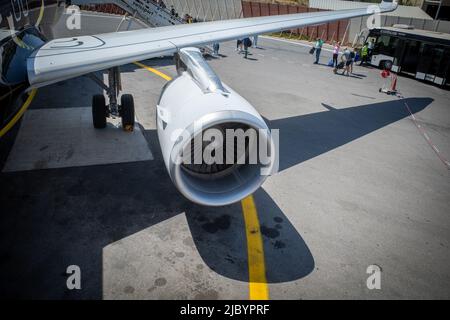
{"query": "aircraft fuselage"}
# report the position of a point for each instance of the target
(25, 25)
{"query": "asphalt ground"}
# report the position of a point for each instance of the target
(360, 184)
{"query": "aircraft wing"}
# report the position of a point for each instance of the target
(66, 58)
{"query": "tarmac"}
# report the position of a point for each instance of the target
(362, 181)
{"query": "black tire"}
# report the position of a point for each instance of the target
(127, 112)
(99, 111)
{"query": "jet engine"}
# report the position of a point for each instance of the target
(205, 168)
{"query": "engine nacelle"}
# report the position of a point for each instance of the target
(191, 104)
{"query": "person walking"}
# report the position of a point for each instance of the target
(318, 48)
(247, 44)
(352, 59)
(370, 47)
(216, 47)
(347, 60)
(239, 44)
(336, 49)
(364, 54)
(255, 41)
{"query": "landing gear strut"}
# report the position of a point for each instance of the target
(100, 110)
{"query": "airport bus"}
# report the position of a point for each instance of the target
(422, 54)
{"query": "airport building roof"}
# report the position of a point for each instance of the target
(402, 11)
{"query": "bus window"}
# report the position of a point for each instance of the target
(430, 64)
(444, 69)
(424, 61)
(387, 45)
(411, 56)
(440, 64)
(382, 45)
(371, 38)
(436, 57)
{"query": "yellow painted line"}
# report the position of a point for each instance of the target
(258, 288)
(157, 72)
(41, 14)
(19, 114)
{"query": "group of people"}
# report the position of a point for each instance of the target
(189, 19)
(173, 13)
(161, 3)
(242, 45)
(348, 57)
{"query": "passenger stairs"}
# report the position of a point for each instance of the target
(148, 11)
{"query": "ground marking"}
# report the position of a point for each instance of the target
(19, 114)
(427, 138)
(258, 288)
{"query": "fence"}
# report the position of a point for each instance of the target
(337, 30)
(106, 8)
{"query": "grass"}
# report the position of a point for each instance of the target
(290, 35)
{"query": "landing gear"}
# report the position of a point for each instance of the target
(100, 110)
(127, 112)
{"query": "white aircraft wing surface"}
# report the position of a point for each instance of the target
(66, 58)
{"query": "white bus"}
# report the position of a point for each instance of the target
(422, 54)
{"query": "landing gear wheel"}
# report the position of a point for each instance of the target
(127, 112)
(99, 111)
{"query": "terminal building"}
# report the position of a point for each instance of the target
(438, 9)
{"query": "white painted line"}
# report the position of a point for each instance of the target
(65, 137)
(427, 139)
